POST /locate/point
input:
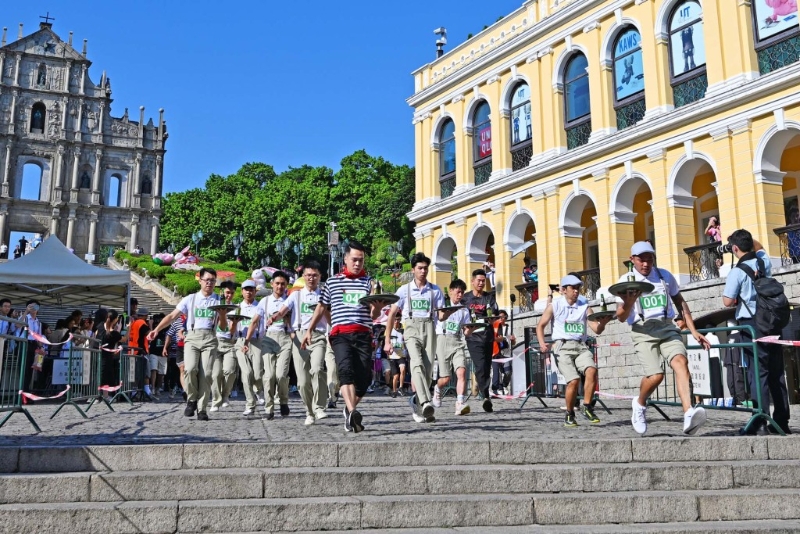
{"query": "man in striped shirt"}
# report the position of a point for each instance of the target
(351, 330)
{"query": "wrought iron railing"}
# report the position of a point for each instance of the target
(483, 172)
(779, 55)
(789, 238)
(704, 261)
(578, 135)
(521, 157)
(448, 185)
(630, 114)
(591, 282)
(690, 91)
(528, 295)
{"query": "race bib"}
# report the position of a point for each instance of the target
(306, 309)
(203, 313)
(245, 323)
(351, 298)
(575, 328)
(422, 305)
(451, 327)
(653, 302)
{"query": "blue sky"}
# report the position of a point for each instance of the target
(284, 83)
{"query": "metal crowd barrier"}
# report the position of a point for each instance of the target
(670, 395)
(13, 361)
(82, 372)
(132, 370)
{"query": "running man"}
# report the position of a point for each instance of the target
(568, 318)
(200, 345)
(248, 350)
(417, 300)
(451, 349)
(351, 332)
(223, 374)
(656, 338)
(482, 307)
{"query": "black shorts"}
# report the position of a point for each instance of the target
(395, 364)
(353, 355)
(179, 356)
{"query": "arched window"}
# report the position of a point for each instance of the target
(447, 158)
(628, 78)
(38, 116)
(777, 34)
(577, 112)
(521, 127)
(687, 52)
(114, 190)
(482, 148)
(147, 185)
(31, 188)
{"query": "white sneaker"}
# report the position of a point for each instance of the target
(320, 414)
(693, 419)
(638, 419)
(247, 411)
(259, 400)
(437, 397)
(225, 403)
(427, 410)
(309, 420)
(461, 408)
(214, 409)
(418, 418)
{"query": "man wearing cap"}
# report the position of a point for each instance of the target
(568, 319)
(223, 374)
(656, 338)
(248, 350)
(200, 347)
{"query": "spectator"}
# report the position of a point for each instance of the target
(713, 231)
(17, 252)
(23, 246)
(109, 337)
(3, 251)
(732, 359)
(157, 361)
(531, 271)
(397, 359)
(501, 371)
(34, 327)
(173, 343)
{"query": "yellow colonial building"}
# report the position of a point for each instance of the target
(570, 129)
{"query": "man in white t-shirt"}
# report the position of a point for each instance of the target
(223, 374)
(200, 346)
(397, 359)
(451, 347)
(276, 345)
(656, 338)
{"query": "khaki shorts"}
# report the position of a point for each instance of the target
(656, 342)
(572, 358)
(451, 354)
(157, 363)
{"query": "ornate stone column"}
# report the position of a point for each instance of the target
(7, 168)
(54, 222)
(154, 237)
(96, 179)
(16, 69)
(71, 227)
(3, 215)
(134, 232)
(137, 181)
(92, 232)
(73, 193)
(157, 184)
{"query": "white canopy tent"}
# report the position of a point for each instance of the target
(55, 276)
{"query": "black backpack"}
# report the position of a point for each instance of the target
(772, 306)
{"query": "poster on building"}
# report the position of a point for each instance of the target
(485, 142)
(686, 39)
(774, 16)
(628, 65)
(700, 371)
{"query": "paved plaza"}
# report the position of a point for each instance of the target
(385, 418)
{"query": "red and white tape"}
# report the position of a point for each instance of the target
(44, 341)
(110, 389)
(778, 341)
(30, 396)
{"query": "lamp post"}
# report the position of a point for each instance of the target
(334, 252)
(238, 240)
(171, 248)
(265, 261)
(282, 247)
(197, 237)
(298, 251)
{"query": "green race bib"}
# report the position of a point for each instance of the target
(420, 305)
(351, 298)
(451, 327)
(575, 328)
(306, 309)
(244, 323)
(203, 313)
(653, 302)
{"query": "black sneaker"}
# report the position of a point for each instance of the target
(284, 410)
(355, 421)
(570, 421)
(346, 414)
(202, 416)
(589, 414)
(487, 405)
(185, 396)
(191, 406)
(331, 404)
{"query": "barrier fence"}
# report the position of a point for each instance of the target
(132, 368)
(82, 371)
(13, 363)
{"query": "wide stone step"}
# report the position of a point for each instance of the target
(236, 483)
(392, 453)
(414, 511)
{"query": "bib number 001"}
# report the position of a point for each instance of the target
(650, 302)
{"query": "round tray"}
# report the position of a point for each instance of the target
(224, 308)
(476, 326)
(623, 287)
(236, 317)
(388, 298)
(599, 315)
(450, 308)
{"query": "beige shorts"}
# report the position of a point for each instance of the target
(656, 342)
(450, 353)
(572, 358)
(157, 363)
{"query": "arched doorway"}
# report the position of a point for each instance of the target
(581, 247)
(480, 253)
(632, 215)
(445, 264)
(780, 163)
(523, 253)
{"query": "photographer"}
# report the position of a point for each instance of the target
(740, 292)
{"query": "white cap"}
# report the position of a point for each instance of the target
(642, 247)
(571, 280)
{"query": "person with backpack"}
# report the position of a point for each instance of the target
(760, 303)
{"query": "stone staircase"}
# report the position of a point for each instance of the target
(711, 484)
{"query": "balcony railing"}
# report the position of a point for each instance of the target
(591, 282)
(789, 237)
(528, 295)
(704, 261)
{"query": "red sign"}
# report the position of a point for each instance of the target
(485, 142)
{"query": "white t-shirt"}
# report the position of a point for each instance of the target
(398, 344)
(195, 308)
(569, 322)
(250, 310)
(269, 306)
(305, 301)
(454, 324)
(653, 305)
(423, 301)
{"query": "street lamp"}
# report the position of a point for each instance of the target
(298, 250)
(282, 247)
(265, 261)
(197, 237)
(171, 248)
(237, 244)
